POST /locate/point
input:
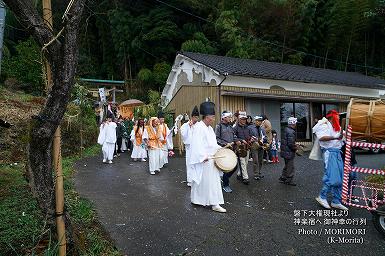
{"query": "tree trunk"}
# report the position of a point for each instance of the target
(126, 73)
(283, 47)
(62, 56)
(366, 69)
(130, 69)
(373, 52)
(347, 55)
(326, 56)
(314, 61)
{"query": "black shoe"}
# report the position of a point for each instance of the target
(290, 183)
(282, 180)
(246, 181)
(239, 177)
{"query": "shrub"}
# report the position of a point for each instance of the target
(25, 66)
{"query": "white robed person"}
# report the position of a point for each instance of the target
(165, 137)
(151, 137)
(138, 149)
(107, 138)
(330, 134)
(206, 187)
(186, 131)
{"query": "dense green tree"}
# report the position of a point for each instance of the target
(25, 66)
(137, 40)
(160, 73)
(146, 76)
(199, 43)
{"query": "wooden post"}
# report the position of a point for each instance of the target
(56, 149)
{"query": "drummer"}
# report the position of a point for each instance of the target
(259, 135)
(225, 137)
(330, 137)
(243, 134)
(206, 183)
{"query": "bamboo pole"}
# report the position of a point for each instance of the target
(59, 193)
(47, 17)
(56, 150)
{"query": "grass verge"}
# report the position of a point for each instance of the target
(92, 238)
(21, 221)
(22, 224)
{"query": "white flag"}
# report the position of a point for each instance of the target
(102, 95)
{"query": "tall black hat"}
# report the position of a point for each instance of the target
(160, 114)
(110, 114)
(207, 108)
(195, 111)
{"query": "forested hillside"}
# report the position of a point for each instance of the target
(136, 40)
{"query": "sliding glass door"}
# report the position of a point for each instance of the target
(302, 112)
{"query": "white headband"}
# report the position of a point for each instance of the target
(227, 114)
(292, 120)
(258, 118)
(242, 114)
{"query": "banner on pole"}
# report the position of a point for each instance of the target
(102, 95)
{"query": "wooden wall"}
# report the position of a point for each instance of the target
(184, 101)
(189, 96)
(232, 103)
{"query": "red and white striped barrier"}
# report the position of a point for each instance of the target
(347, 166)
(367, 170)
(369, 198)
(361, 206)
(361, 184)
(368, 145)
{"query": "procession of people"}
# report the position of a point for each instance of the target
(251, 139)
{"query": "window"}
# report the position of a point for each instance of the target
(320, 110)
(328, 107)
(302, 112)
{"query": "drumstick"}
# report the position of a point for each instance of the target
(215, 157)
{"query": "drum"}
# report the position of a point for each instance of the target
(255, 146)
(225, 159)
(300, 150)
(367, 119)
(241, 150)
(266, 146)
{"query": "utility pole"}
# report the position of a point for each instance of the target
(56, 149)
